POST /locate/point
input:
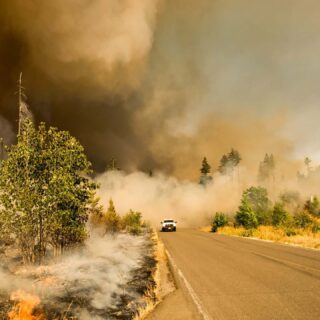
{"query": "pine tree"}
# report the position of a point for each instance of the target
(205, 168)
(234, 157)
(229, 162)
(266, 169)
(223, 167)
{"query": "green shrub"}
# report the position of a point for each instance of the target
(312, 206)
(315, 228)
(279, 215)
(111, 220)
(302, 219)
(219, 220)
(245, 216)
(132, 223)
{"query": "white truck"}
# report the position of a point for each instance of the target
(168, 225)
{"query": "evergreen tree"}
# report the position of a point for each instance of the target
(205, 168)
(234, 157)
(266, 168)
(229, 162)
(223, 167)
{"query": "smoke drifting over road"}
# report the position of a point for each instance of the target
(153, 82)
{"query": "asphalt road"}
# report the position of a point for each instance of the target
(238, 278)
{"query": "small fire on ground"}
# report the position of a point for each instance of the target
(25, 304)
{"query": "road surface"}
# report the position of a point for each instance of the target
(238, 278)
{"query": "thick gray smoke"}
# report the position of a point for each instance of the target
(153, 82)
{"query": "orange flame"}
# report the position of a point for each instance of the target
(23, 309)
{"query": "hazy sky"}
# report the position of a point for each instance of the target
(159, 84)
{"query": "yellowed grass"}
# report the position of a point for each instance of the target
(302, 237)
(150, 302)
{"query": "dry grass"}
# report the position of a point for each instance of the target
(152, 296)
(300, 237)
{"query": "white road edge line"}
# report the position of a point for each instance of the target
(192, 293)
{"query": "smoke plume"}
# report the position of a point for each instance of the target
(159, 84)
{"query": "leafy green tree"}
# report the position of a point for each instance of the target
(245, 216)
(45, 191)
(279, 215)
(313, 206)
(219, 220)
(111, 219)
(257, 198)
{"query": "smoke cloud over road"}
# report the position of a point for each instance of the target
(159, 84)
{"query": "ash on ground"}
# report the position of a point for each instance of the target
(106, 279)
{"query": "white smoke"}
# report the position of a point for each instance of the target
(162, 196)
(97, 273)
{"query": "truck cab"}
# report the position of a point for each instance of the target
(168, 225)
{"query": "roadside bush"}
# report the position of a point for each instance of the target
(132, 223)
(279, 215)
(312, 206)
(315, 228)
(245, 216)
(302, 219)
(219, 220)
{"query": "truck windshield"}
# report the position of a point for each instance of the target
(168, 221)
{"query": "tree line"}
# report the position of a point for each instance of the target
(288, 212)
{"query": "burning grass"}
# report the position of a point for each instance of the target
(105, 280)
(25, 307)
(294, 236)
